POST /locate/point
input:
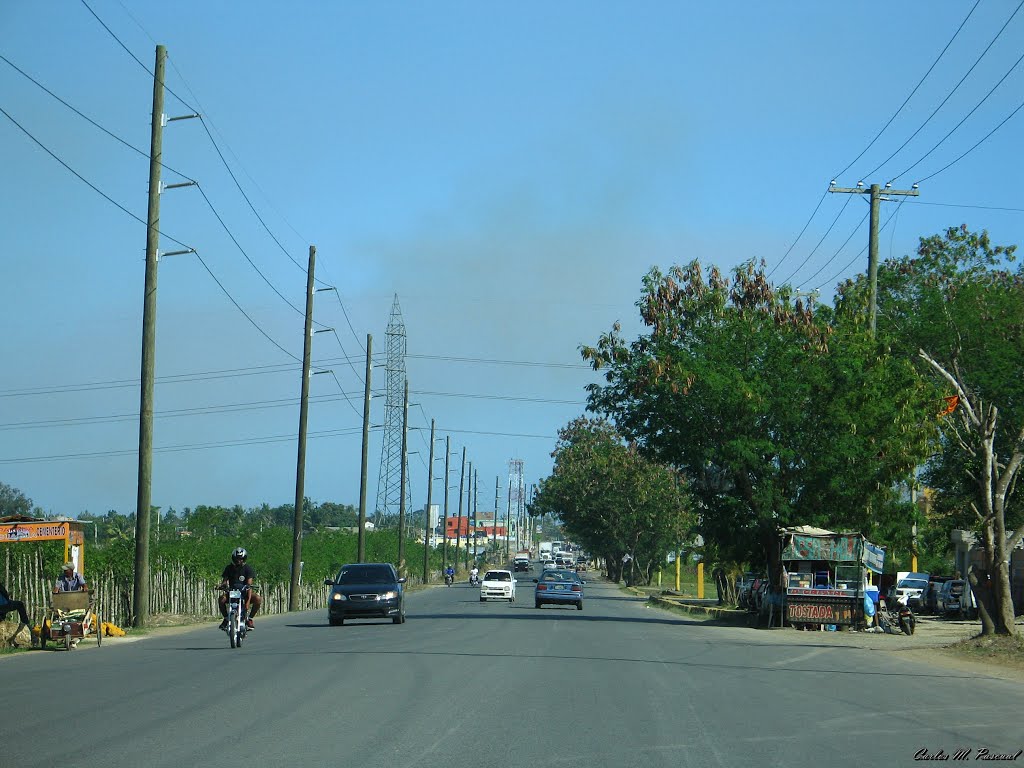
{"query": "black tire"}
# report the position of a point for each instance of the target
(335, 622)
(67, 641)
(99, 632)
(483, 599)
(908, 624)
(232, 631)
(399, 619)
(537, 603)
(579, 606)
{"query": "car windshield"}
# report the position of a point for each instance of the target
(497, 576)
(558, 576)
(913, 584)
(366, 574)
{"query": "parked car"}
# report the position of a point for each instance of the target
(559, 587)
(366, 591)
(499, 584)
(929, 601)
(951, 597)
(914, 586)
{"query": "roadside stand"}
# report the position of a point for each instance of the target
(827, 577)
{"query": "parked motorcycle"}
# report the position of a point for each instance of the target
(898, 616)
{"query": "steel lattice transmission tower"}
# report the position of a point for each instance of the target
(517, 497)
(389, 482)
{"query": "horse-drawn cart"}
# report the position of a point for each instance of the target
(72, 618)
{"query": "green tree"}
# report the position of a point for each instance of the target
(13, 501)
(614, 501)
(777, 412)
(958, 308)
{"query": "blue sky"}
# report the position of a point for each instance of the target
(510, 170)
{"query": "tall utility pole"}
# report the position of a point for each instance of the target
(404, 479)
(476, 501)
(426, 524)
(469, 507)
(140, 595)
(877, 196)
(508, 518)
(361, 547)
(300, 464)
(494, 529)
(444, 526)
(458, 520)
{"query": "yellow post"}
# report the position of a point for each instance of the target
(678, 558)
(700, 580)
(659, 577)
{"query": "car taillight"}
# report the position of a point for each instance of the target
(541, 587)
(577, 588)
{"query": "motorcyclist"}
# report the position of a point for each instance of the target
(239, 575)
(474, 575)
(449, 575)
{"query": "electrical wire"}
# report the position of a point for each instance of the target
(862, 250)
(978, 144)
(136, 58)
(822, 240)
(968, 205)
(840, 248)
(88, 119)
(906, 100)
(962, 121)
(948, 95)
(793, 244)
(241, 442)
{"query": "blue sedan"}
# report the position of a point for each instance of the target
(559, 587)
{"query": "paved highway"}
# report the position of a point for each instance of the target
(465, 683)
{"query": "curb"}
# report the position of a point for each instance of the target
(724, 615)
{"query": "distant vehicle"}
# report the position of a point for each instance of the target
(951, 597)
(559, 587)
(913, 586)
(547, 563)
(366, 591)
(930, 596)
(521, 562)
(564, 561)
(498, 584)
(545, 550)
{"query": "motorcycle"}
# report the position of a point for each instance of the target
(236, 627)
(474, 580)
(448, 579)
(900, 616)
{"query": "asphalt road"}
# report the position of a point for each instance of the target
(465, 683)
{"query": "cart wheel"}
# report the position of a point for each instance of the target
(67, 641)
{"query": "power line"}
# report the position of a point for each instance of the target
(849, 237)
(88, 119)
(948, 95)
(968, 205)
(815, 249)
(906, 100)
(860, 253)
(136, 58)
(241, 442)
(981, 141)
(962, 121)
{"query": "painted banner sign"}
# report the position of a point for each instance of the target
(874, 557)
(34, 532)
(821, 611)
(837, 548)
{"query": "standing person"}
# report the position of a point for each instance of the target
(239, 575)
(7, 604)
(69, 580)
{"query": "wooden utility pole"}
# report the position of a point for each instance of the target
(476, 500)
(877, 196)
(300, 464)
(494, 529)
(426, 524)
(508, 518)
(469, 507)
(140, 593)
(361, 546)
(444, 525)
(401, 501)
(458, 520)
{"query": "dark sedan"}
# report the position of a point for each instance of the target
(559, 587)
(366, 591)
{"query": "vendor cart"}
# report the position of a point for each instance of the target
(72, 618)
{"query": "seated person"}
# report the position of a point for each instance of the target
(69, 580)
